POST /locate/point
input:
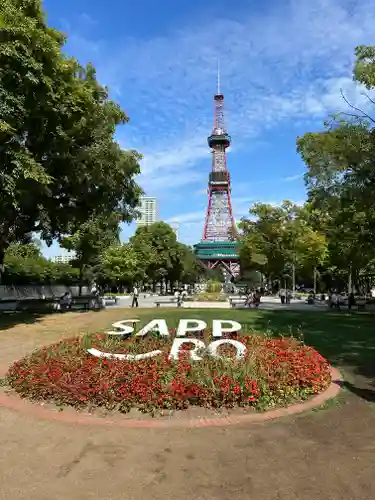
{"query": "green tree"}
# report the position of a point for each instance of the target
(157, 247)
(341, 178)
(121, 265)
(59, 162)
(27, 250)
(280, 241)
(90, 240)
(25, 268)
(263, 239)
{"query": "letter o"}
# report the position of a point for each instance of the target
(213, 347)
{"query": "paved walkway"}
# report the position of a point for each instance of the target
(322, 455)
(270, 303)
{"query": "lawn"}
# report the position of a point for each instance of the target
(347, 341)
(329, 453)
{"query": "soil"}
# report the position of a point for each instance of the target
(326, 454)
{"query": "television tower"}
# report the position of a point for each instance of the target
(218, 247)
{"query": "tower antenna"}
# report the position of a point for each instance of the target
(218, 76)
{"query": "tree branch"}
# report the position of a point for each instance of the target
(364, 115)
(368, 97)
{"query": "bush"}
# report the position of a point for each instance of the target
(274, 372)
(37, 270)
(214, 286)
(211, 297)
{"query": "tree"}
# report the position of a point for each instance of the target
(281, 241)
(28, 268)
(157, 247)
(263, 239)
(24, 251)
(90, 240)
(185, 267)
(59, 162)
(121, 265)
(341, 177)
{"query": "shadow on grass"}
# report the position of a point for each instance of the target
(13, 318)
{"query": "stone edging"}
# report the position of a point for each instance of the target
(34, 410)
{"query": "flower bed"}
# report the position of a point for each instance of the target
(275, 372)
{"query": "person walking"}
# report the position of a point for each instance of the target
(135, 297)
(282, 294)
(351, 301)
(180, 298)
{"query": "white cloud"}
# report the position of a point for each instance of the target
(279, 66)
(292, 178)
(285, 64)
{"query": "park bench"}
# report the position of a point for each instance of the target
(235, 301)
(37, 304)
(8, 305)
(110, 298)
(82, 303)
(172, 300)
(361, 304)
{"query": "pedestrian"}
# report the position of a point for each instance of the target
(257, 296)
(180, 298)
(66, 301)
(351, 301)
(282, 294)
(135, 297)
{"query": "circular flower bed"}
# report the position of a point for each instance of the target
(274, 372)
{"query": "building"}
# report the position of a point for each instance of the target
(148, 212)
(64, 259)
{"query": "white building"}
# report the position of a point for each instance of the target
(64, 259)
(148, 211)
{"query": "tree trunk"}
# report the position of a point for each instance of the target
(350, 279)
(314, 280)
(293, 278)
(81, 269)
(2, 267)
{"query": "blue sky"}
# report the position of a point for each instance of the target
(282, 66)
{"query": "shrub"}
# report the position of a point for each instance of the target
(214, 286)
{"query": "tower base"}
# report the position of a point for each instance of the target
(219, 254)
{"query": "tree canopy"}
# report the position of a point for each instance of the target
(60, 162)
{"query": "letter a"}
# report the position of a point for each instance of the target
(160, 325)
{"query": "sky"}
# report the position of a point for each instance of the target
(282, 63)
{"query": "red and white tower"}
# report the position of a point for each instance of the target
(219, 246)
(219, 224)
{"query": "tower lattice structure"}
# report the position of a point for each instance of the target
(218, 247)
(219, 224)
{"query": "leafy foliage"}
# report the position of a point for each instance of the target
(341, 178)
(60, 165)
(277, 237)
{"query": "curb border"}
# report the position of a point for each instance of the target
(15, 403)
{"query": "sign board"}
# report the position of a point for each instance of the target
(219, 328)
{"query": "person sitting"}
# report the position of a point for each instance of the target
(256, 299)
(66, 301)
(249, 300)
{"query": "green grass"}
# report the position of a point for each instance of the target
(345, 340)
